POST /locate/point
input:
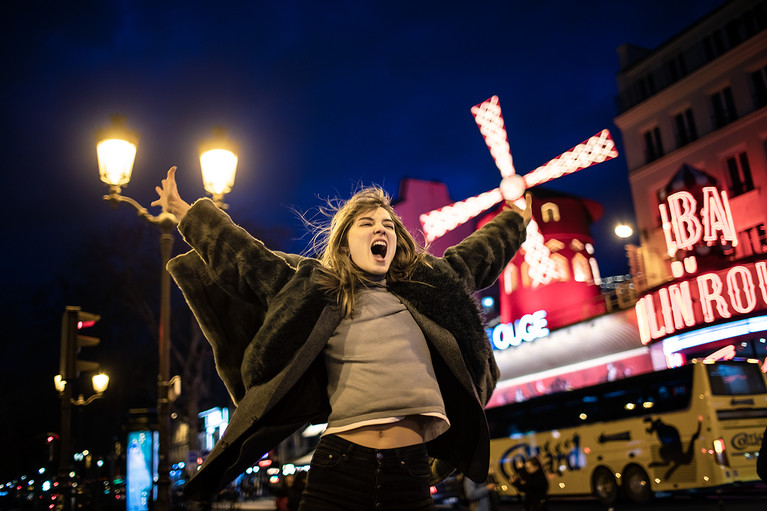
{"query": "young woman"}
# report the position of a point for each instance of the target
(376, 337)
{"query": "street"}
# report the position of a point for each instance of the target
(751, 503)
(744, 501)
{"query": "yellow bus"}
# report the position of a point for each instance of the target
(693, 427)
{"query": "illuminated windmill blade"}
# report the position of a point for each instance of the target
(489, 118)
(438, 222)
(490, 121)
(596, 149)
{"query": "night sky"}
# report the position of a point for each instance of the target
(319, 96)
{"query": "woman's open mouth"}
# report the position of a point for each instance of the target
(379, 248)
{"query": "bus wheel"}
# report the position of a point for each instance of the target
(604, 486)
(636, 484)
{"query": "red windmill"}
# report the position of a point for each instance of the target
(488, 117)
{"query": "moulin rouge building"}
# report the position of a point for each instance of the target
(693, 119)
(694, 124)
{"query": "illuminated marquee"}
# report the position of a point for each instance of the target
(527, 328)
(707, 297)
(738, 290)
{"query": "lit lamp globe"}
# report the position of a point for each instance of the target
(116, 150)
(59, 383)
(100, 382)
(218, 161)
(623, 230)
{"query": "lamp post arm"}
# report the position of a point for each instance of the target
(165, 220)
(85, 402)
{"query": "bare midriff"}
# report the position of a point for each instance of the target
(408, 431)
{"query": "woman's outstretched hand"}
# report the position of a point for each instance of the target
(527, 213)
(170, 200)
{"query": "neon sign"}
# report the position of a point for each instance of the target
(683, 229)
(741, 289)
(707, 297)
(526, 329)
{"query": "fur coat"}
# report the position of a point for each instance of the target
(268, 323)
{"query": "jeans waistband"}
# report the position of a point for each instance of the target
(350, 448)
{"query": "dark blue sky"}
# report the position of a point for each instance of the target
(320, 96)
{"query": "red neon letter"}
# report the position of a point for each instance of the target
(761, 273)
(717, 217)
(665, 309)
(748, 288)
(710, 293)
(687, 227)
(651, 318)
(670, 245)
(642, 321)
(681, 304)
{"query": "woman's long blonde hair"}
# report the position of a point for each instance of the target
(340, 275)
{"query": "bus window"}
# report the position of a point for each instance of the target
(673, 394)
(735, 379)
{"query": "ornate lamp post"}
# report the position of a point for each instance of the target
(116, 149)
(100, 383)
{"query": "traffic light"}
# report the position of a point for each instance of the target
(72, 322)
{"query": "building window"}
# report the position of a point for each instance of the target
(550, 212)
(524, 273)
(554, 245)
(759, 87)
(723, 107)
(754, 20)
(713, 45)
(739, 174)
(560, 262)
(676, 68)
(753, 240)
(645, 87)
(581, 270)
(685, 128)
(734, 34)
(653, 145)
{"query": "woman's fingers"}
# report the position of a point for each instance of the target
(166, 188)
(171, 179)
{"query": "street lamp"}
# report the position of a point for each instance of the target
(100, 383)
(623, 230)
(218, 161)
(64, 388)
(116, 150)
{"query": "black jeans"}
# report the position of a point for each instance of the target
(347, 476)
